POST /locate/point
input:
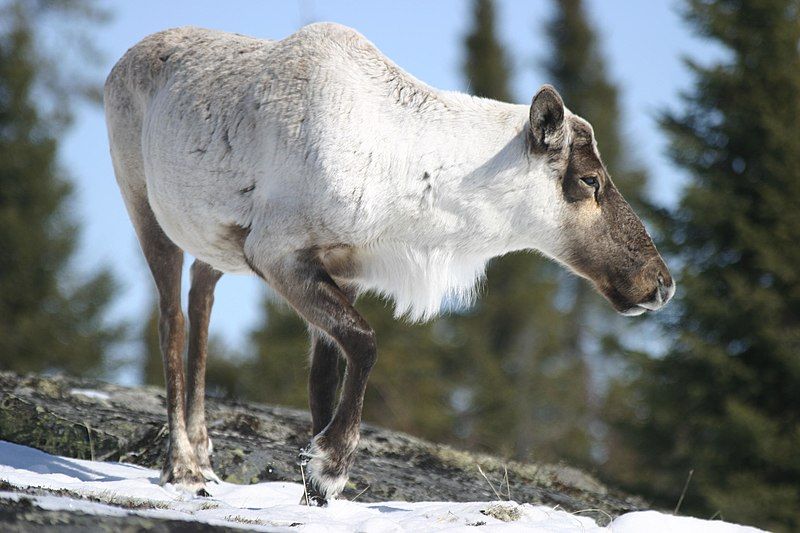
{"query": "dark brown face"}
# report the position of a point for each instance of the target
(607, 243)
(603, 240)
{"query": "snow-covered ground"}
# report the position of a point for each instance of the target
(118, 489)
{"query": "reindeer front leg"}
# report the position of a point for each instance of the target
(323, 379)
(303, 281)
(323, 376)
(165, 260)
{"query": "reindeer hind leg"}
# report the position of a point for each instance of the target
(201, 299)
(165, 260)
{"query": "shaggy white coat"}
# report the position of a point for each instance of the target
(319, 140)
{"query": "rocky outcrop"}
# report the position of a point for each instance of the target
(254, 442)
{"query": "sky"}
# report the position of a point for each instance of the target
(642, 43)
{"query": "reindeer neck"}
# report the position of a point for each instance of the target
(474, 171)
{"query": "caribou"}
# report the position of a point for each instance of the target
(319, 165)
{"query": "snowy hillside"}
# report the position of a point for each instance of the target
(116, 489)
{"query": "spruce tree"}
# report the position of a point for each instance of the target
(49, 319)
(486, 67)
(538, 325)
(724, 401)
(577, 68)
(522, 399)
(279, 368)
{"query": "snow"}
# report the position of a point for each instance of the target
(91, 393)
(119, 489)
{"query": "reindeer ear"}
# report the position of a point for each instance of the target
(547, 119)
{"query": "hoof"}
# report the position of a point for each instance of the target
(202, 454)
(187, 477)
(203, 493)
(324, 478)
(312, 497)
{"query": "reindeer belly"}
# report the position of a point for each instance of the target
(212, 241)
(205, 219)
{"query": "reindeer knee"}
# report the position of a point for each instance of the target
(362, 349)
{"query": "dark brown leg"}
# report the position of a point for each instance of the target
(201, 299)
(323, 380)
(306, 285)
(165, 260)
(323, 377)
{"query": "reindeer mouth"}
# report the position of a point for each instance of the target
(634, 311)
(661, 295)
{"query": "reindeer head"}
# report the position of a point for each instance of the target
(598, 235)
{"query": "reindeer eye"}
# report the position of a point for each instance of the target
(591, 181)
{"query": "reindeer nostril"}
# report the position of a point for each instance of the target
(666, 287)
(663, 291)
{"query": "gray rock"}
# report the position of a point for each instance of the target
(256, 442)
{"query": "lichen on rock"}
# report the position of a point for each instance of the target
(256, 442)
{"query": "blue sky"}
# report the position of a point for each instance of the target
(642, 42)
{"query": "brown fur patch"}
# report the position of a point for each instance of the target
(608, 244)
(340, 261)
